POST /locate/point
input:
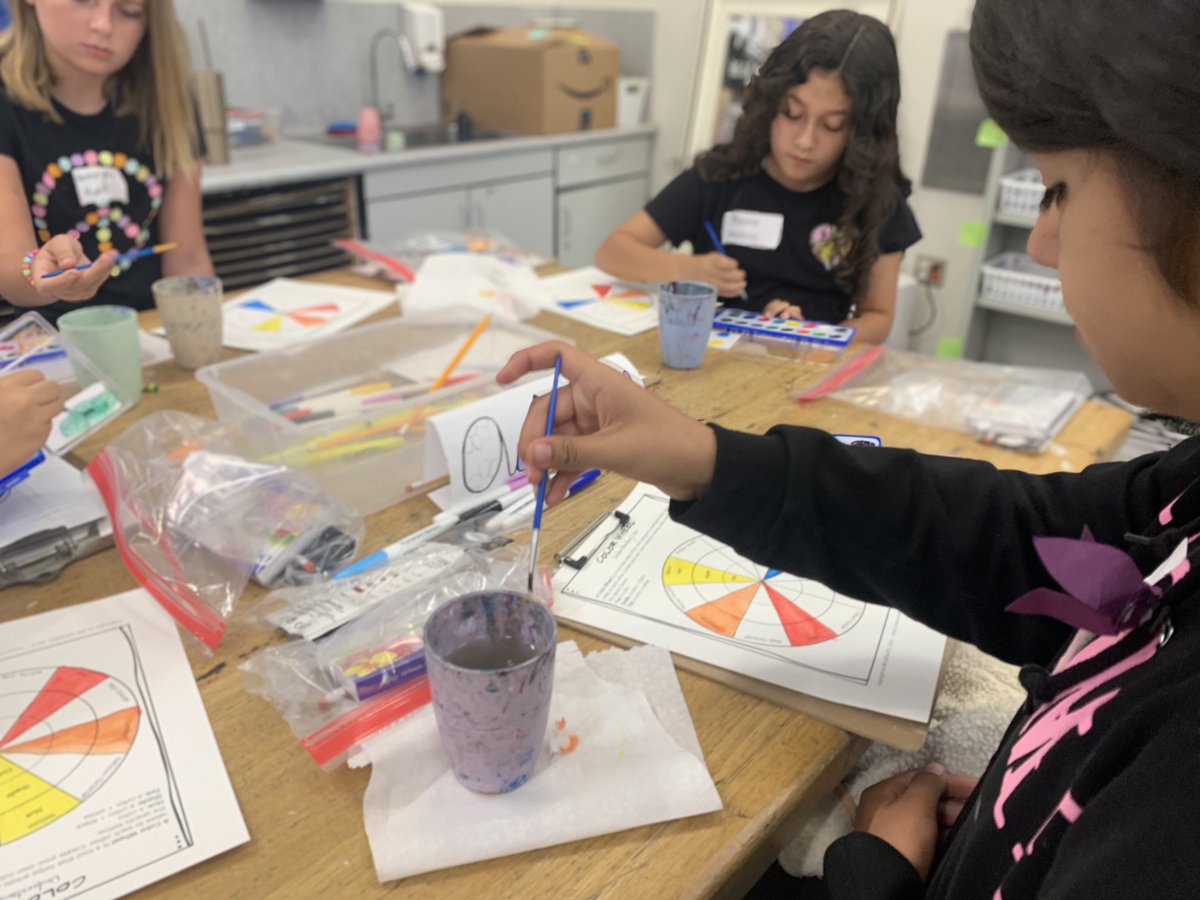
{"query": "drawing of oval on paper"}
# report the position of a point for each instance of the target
(483, 454)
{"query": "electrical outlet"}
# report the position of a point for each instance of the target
(931, 270)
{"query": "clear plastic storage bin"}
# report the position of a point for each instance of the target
(1021, 193)
(350, 408)
(1016, 280)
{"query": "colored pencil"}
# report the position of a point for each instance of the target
(429, 484)
(462, 351)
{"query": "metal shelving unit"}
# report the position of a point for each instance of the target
(262, 233)
(1003, 331)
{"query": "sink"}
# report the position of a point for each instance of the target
(436, 135)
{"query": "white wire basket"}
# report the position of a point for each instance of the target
(1016, 280)
(1021, 193)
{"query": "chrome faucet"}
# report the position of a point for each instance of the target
(406, 56)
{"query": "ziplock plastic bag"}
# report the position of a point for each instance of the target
(1011, 406)
(336, 692)
(313, 610)
(194, 522)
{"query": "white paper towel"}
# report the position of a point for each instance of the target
(632, 759)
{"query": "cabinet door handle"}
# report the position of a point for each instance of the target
(566, 225)
(609, 159)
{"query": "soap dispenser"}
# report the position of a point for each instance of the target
(425, 30)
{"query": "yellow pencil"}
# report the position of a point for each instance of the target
(462, 351)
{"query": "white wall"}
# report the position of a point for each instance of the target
(920, 40)
(678, 33)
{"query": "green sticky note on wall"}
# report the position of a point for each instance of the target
(989, 135)
(972, 234)
(950, 348)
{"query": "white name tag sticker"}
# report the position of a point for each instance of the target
(747, 228)
(100, 185)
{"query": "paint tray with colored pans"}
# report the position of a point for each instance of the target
(798, 331)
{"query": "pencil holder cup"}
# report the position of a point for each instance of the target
(490, 659)
(190, 307)
(685, 318)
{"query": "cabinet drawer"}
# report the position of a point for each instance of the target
(599, 162)
(455, 173)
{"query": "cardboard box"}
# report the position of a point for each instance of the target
(531, 80)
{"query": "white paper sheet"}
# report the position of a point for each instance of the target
(477, 444)
(491, 350)
(153, 348)
(285, 312)
(112, 776)
(598, 299)
(55, 494)
(485, 283)
(659, 582)
(631, 759)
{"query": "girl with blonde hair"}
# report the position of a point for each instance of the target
(98, 152)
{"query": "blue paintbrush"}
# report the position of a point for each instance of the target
(132, 254)
(541, 491)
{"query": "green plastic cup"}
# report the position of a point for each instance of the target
(108, 337)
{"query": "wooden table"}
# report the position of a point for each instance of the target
(770, 764)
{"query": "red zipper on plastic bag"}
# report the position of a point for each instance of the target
(200, 621)
(334, 738)
(840, 376)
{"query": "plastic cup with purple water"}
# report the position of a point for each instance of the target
(490, 658)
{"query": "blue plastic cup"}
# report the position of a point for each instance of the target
(685, 317)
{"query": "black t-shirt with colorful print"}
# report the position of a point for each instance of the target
(784, 240)
(91, 177)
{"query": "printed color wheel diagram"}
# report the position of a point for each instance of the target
(613, 293)
(63, 733)
(734, 598)
(275, 319)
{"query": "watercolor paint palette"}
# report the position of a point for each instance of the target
(801, 331)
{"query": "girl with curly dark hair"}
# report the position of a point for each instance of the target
(808, 198)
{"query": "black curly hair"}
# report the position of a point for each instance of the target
(861, 50)
(1113, 76)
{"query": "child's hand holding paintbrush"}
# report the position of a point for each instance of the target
(60, 270)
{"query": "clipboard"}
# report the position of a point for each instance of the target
(904, 734)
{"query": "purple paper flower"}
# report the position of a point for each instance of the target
(1104, 591)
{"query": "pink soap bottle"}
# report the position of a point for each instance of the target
(369, 130)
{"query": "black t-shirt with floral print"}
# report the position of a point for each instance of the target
(784, 240)
(89, 176)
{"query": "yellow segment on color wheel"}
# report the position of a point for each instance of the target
(28, 803)
(683, 571)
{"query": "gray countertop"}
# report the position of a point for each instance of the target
(289, 160)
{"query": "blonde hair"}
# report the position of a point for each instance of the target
(153, 85)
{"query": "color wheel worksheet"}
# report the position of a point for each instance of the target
(285, 312)
(598, 299)
(110, 777)
(660, 583)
